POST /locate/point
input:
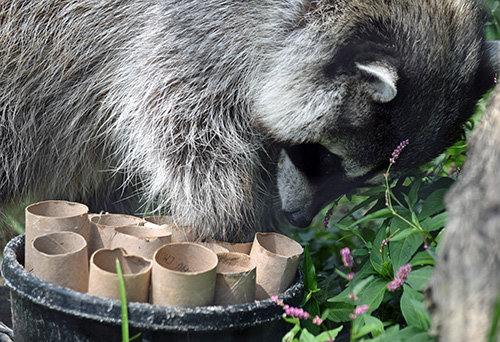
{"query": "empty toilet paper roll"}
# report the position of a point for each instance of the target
(102, 228)
(244, 247)
(53, 216)
(214, 247)
(184, 275)
(61, 258)
(277, 258)
(236, 279)
(139, 240)
(103, 279)
(179, 233)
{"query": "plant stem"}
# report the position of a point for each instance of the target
(123, 299)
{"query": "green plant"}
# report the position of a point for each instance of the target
(375, 292)
(124, 311)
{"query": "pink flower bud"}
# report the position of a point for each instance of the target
(317, 320)
(347, 257)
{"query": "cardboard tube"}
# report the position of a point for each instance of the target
(277, 258)
(244, 247)
(103, 279)
(53, 216)
(61, 258)
(236, 279)
(102, 228)
(179, 233)
(214, 247)
(184, 275)
(139, 240)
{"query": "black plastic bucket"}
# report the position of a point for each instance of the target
(47, 312)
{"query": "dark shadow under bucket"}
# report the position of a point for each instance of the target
(47, 312)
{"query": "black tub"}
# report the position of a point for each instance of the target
(47, 312)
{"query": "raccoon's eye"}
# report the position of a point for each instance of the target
(328, 159)
(330, 163)
(314, 160)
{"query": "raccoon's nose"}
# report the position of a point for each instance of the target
(297, 218)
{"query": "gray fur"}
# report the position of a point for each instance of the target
(182, 104)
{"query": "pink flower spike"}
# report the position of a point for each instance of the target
(392, 286)
(404, 271)
(277, 301)
(317, 320)
(347, 257)
(295, 312)
(397, 151)
(361, 309)
(400, 278)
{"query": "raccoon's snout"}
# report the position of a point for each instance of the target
(297, 218)
(309, 178)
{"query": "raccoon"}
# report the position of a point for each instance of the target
(135, 106)
(420, 86)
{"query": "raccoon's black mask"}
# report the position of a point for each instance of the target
(312, 178)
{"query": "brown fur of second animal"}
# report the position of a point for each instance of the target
(465, 285)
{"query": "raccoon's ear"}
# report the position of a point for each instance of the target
(493, 54)
(381, 78)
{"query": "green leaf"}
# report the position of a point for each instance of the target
(398, 224)
(414, 334)
(402, 251)
(364, 204)
(312, 306)
(420, 337)
(360, 251)
(382, 213)
(354, 288)
(360, 285)
(433, 204)
(403, 234)
(373, 294)
(381, 266)
(422, 258)
(363, 272)
(414, 310)
(376, 191)
(435, 223)
(414, 219)
(492, 335)
(367, 325)
(289, 336)
(123, 300)
(380, 204)
(136, 336)
(442, 183)
(339, 312)
(310, 280)
(417, 279)
(413, 194)
(291, 320)
(306, 336)
(391, 334)
(330, 334)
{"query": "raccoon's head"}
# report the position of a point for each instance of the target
(353, 81)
